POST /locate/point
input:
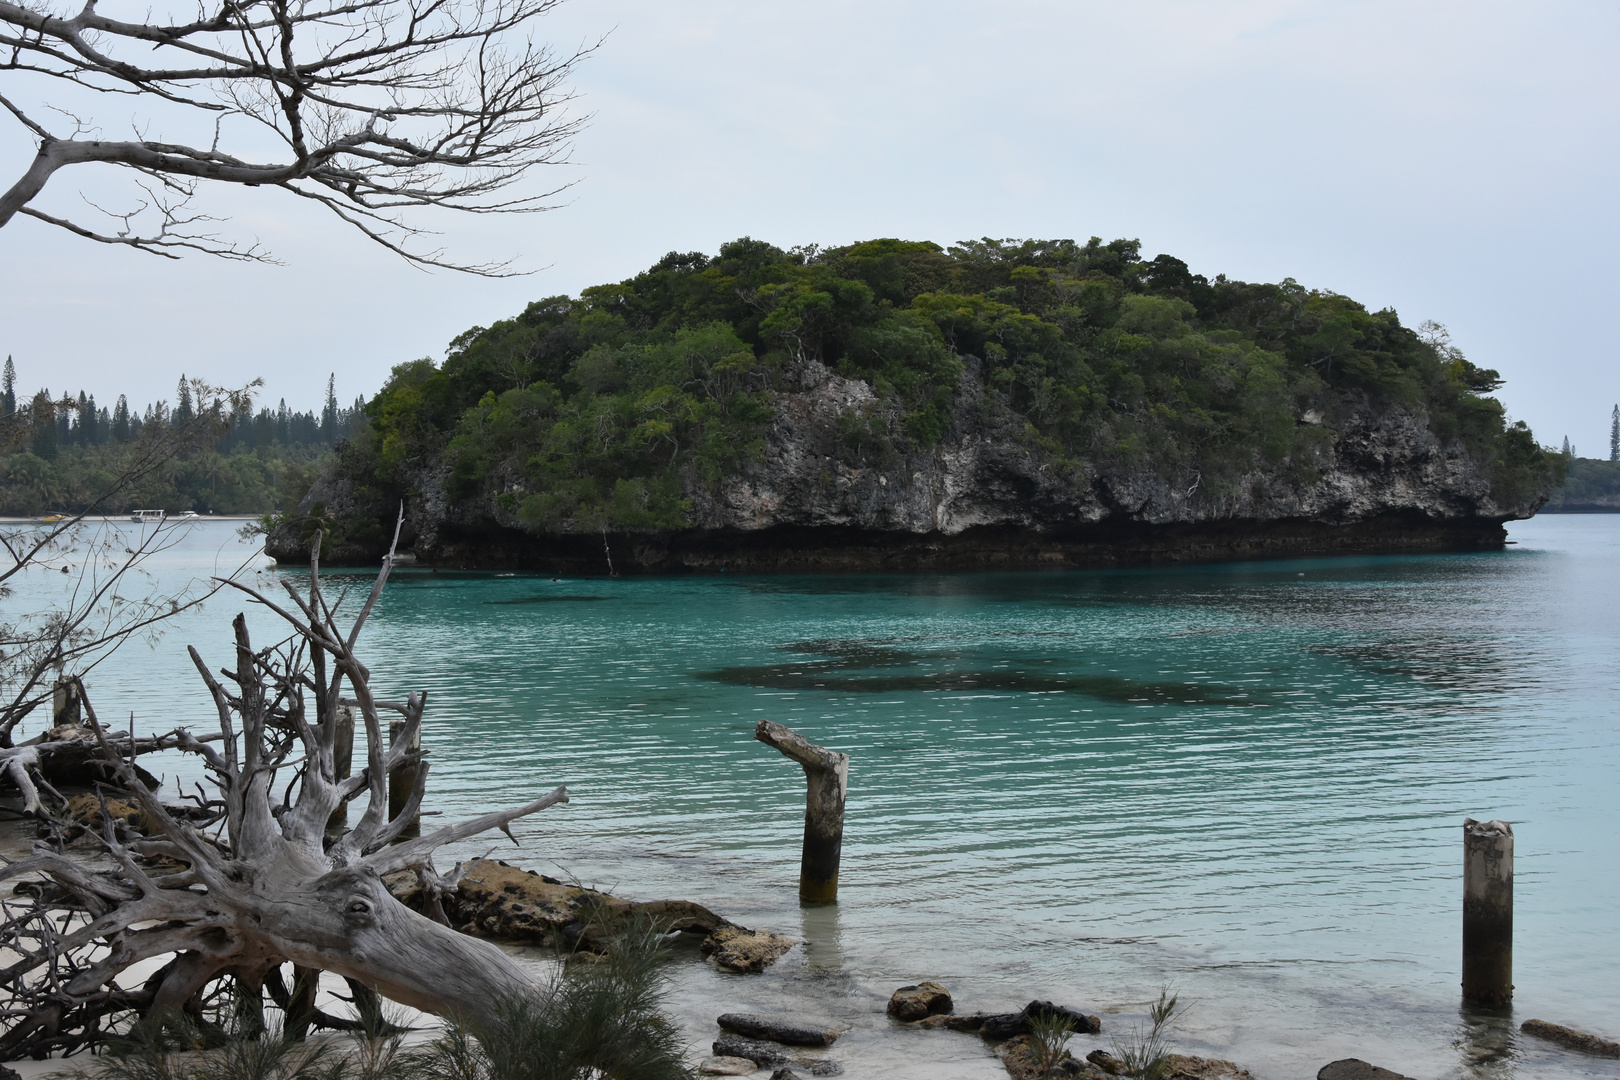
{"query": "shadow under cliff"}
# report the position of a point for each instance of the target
(845, 549)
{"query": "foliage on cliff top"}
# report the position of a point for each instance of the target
(606, 409)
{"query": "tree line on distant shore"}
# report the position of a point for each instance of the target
(60, 452)
(1591, 485)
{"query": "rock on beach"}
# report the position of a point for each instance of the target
(1570, 1039)
(743, 951)
(782, 1029)
(506, 903)
(759, 1051)
(911, 1003)
(1187, 1067)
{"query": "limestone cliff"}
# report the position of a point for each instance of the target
(988, 494)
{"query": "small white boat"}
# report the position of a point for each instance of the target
(189, 515)
(146, 517)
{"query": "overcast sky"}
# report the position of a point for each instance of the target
(1455, 161)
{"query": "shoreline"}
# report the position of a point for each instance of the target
(848, 549)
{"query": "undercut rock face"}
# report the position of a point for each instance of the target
(984, 497)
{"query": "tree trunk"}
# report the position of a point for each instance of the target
(342, 764)
(826, 774)
(402, 777)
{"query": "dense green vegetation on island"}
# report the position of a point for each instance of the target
(61, 455)
(1592, 485)
(607, 410)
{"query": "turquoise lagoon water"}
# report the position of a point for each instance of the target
(1243, 780)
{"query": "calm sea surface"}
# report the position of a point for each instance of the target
(1245, 780)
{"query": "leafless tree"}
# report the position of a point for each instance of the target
(264, 880)
(370, 108)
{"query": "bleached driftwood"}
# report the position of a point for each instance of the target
(266, 886)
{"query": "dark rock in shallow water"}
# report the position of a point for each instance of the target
(923, 999)
(782, 1029)
(1356, 1069)
(1570, 1039)
(1004, 1026)
(755, 1050)
(1080, 1023)
(1010, 1025)
(966, 1021)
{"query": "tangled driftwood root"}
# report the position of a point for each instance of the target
(220, 905)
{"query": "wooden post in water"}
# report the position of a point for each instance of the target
(342, 763)
(67, 703)
(1487, 967)
(402, 779)
(826, 774)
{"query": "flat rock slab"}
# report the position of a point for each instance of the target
(773, 1054)
(911, 1003)
(1356, 1069)
(727, 1066)
(1570, 1039)
(783, 1029)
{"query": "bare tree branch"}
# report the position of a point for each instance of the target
(379, 108)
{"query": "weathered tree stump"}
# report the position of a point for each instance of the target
(67, 702)
(342, 763)
(1487, 969)
(402, 777)
(826, 774)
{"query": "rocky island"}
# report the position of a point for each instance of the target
(893, 405)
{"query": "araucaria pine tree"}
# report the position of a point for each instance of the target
(1614, 434)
